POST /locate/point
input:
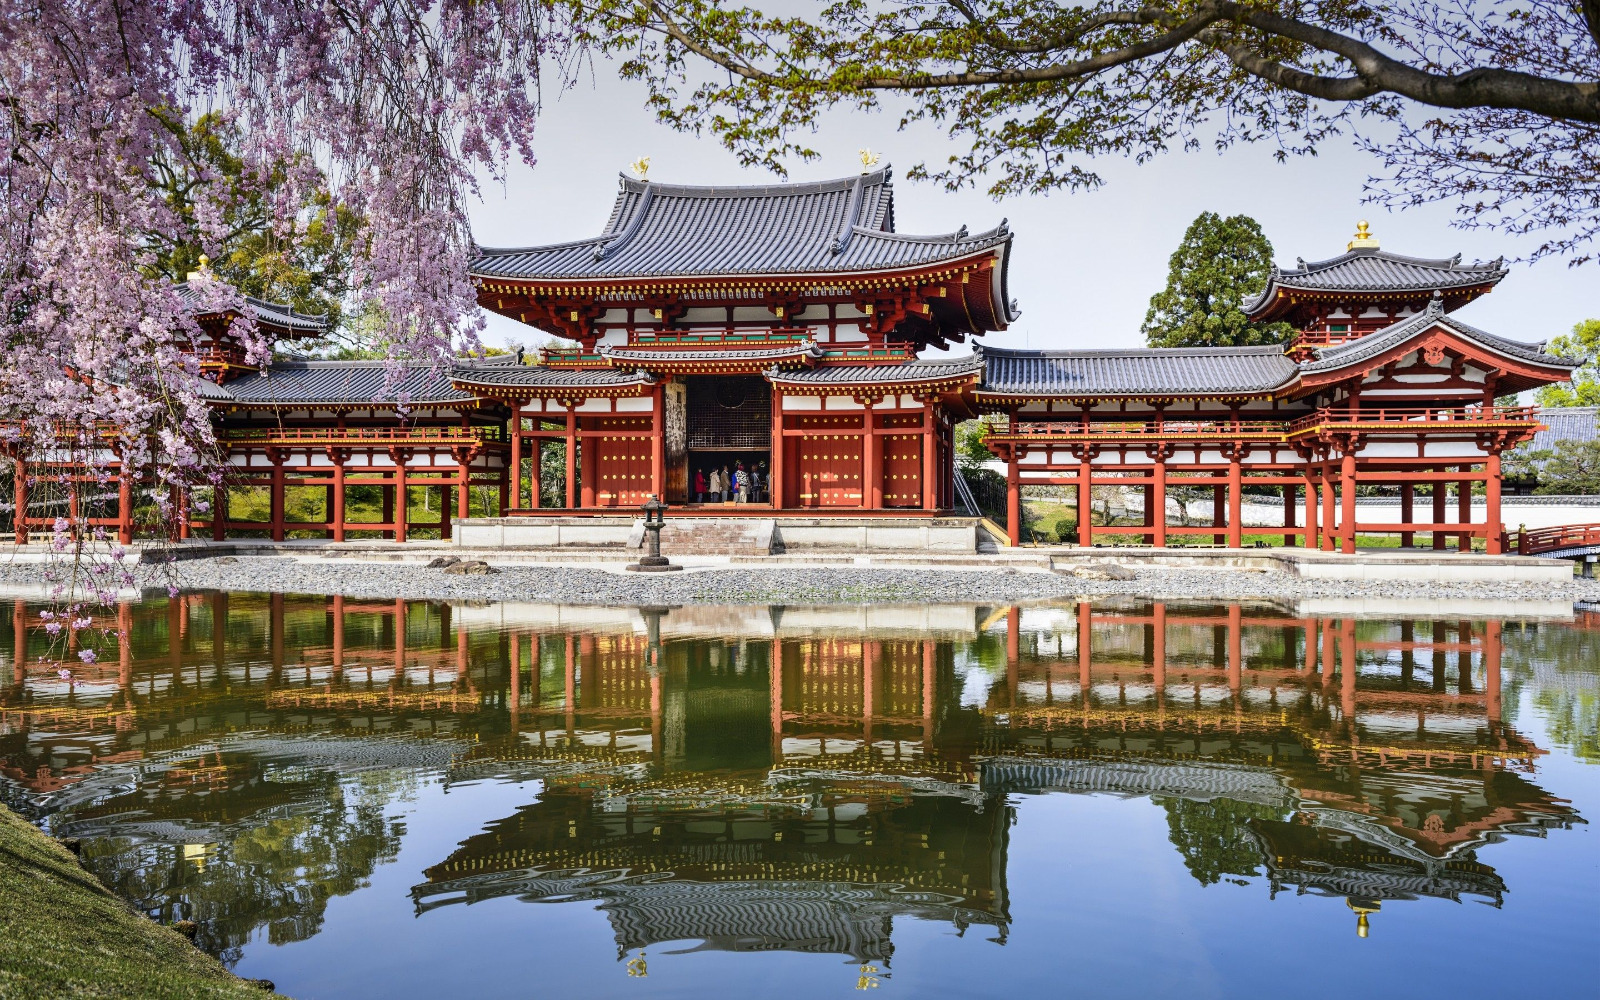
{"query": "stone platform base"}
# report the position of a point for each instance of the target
(726, 535)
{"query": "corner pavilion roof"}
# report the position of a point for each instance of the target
(345, 383)
(843, 226)
(275, 315)
(1363, 348)
(1187, 371)
(1372, 271)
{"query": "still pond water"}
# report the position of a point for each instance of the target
(393, 799)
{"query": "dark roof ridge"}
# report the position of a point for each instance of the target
(350, 363)
(484, 251)
(866, 179)
(1443, 263)
(959, 236)
(1114, 352)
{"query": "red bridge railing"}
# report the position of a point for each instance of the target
(1567, 536)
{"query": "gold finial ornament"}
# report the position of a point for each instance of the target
(869, 159)
(1362, 907)
(205, 268)
(1363, 239)
(640, 167)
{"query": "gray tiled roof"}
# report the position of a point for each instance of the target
(1567, 423)
(1373, 344)
(920, 370)
(732, 352)
(535, 376)
(271, 314)
(1368, 269)
(1186, 370)
(675, 230)
(344, 383)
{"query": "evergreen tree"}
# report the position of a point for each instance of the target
(1220, 263)
(1583, 344)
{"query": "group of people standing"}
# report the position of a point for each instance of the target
(739, 485)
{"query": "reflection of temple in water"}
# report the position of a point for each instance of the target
(796, 778)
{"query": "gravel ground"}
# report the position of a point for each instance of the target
(780, 584)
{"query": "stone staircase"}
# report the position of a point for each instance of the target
(713, 536)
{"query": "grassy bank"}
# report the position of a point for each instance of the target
(63, 935)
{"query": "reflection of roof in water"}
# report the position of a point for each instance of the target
(825, 917)
(1190, 780)
(1315, 858)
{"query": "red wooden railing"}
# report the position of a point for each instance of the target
(1175, 428)
(1400, 415)
(361, 435)
(1397, 416)
(1567, 536)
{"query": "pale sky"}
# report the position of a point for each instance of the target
(1083, 266)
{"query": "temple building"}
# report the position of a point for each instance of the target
(782, 353)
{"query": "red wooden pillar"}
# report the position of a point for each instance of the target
(572, 499)
(516, 460)
(1158, 504)
(20, 519)
(1013, 497)
(1149, 537)
(464, 489)
(1464, 512)
(1235, 499)
(1347, 502)
(777, 488)
(1439, 490)
(219, 511)
(658, 442)
(400, 502)
(1330, 531)
(182, 503)
(125, 507)
(1408, 501)
(444, 508)
(930, 458)
(276, 503)
(336, 508)
(871, 461)
(1085, 500)
(1313, 539)
(1491, 490)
